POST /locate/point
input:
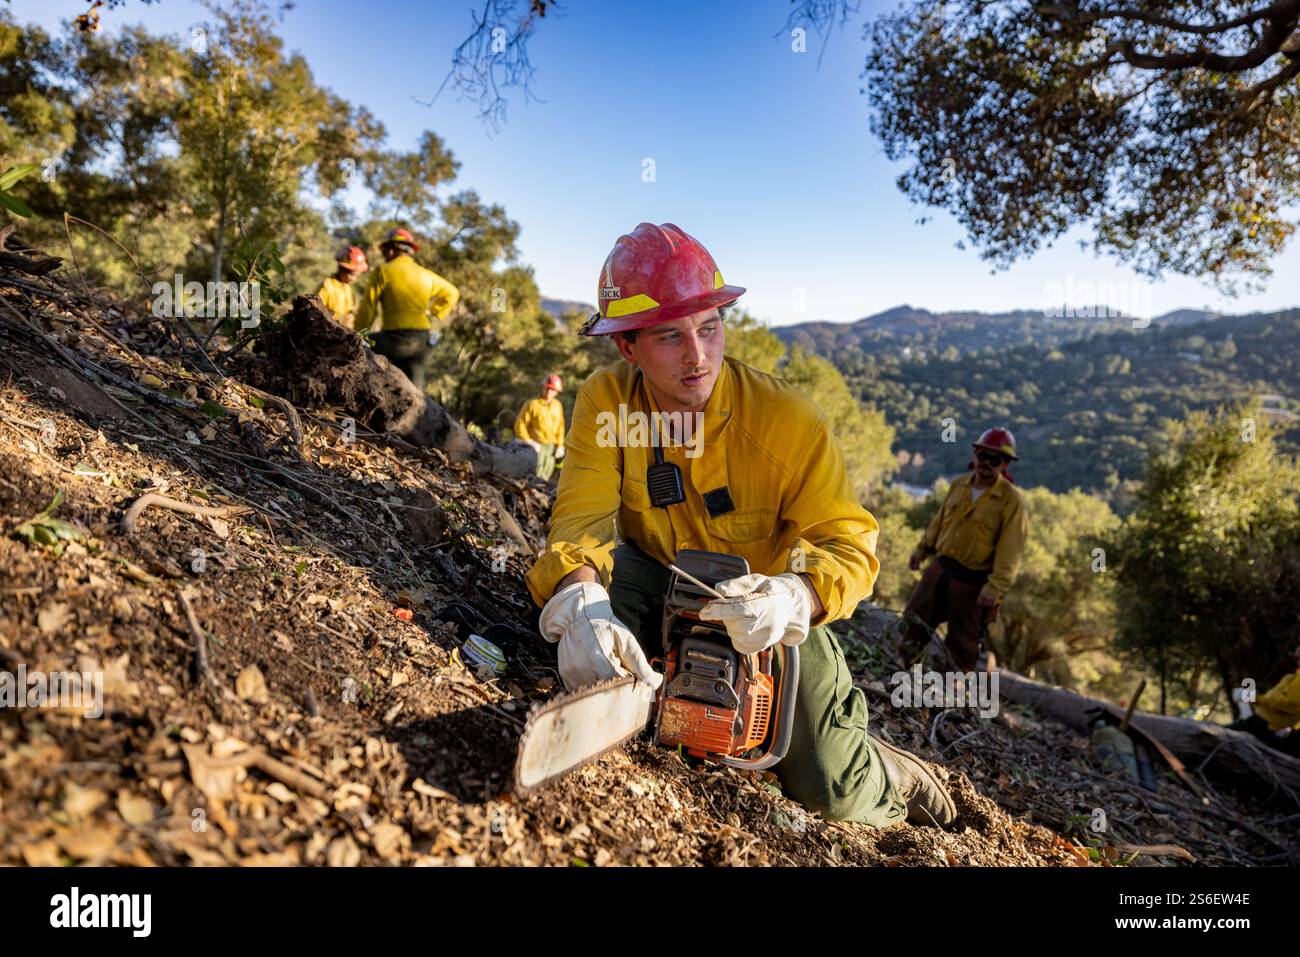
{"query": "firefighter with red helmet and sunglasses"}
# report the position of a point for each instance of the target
(744, 464)
(978, 537)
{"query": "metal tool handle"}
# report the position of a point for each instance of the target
(784, 718)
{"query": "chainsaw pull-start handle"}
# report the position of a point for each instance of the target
(784, 716)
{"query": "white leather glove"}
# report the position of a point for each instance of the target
(594, 645)
(760, 611)
(559, 451)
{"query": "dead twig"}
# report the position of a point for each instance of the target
(257, 757)
(290, 414)
(162, 501)
(200, 640)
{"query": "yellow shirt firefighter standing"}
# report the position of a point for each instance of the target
(407, 294)
(338, 293)
(541, 424)
(740, 484)
(979, 538)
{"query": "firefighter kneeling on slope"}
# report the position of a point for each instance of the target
(763, 480)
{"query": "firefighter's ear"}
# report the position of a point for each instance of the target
(625, 347)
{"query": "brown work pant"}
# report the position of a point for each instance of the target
(938, 597)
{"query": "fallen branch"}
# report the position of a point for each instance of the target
(1235, 753)
(162, 501)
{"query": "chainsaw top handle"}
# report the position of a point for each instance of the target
(684, 596)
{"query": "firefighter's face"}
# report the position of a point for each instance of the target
(987, 464)
(680, 359)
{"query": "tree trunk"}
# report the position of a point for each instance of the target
(1233, 754)
(313, 360)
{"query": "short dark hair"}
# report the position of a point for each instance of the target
(630, 335)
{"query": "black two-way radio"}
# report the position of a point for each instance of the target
(664, 480)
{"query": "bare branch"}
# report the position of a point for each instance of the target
(495, 56)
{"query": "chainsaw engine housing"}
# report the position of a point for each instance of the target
(716, 703)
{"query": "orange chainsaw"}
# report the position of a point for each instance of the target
(714, 704)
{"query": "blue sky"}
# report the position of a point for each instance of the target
(757, 152)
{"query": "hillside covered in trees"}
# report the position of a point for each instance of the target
(1084, 410)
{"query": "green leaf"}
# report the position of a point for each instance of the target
(12, 202)
(14, 173)
(300, 568)
(212, 409)
(256, 402)
(57, 501)
(579, 862)
(53, 533)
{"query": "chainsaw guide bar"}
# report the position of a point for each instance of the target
(577, 727)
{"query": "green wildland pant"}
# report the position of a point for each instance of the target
(545, 461)
(832, 766)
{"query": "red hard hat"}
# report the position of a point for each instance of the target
(353, 259)
(400, 235)
(553, 382)
(652, 275)
(998, 440)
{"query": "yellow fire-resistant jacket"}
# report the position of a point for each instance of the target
(339, 298)
(768, 465)
(541, 420)
(407, 293)
(1280, 705)
(986, 536)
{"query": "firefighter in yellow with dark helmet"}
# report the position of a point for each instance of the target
(541, 425)
(406, 294)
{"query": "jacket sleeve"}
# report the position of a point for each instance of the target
(369, 305)
(443, 298)
(584, 520)
(836, 545)
(1011, 545)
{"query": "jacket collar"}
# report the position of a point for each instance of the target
(996, 490)
(708, 470)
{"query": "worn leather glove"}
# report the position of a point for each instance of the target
(594, 645)
(760, 611)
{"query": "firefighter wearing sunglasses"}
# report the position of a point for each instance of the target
(977, 539)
